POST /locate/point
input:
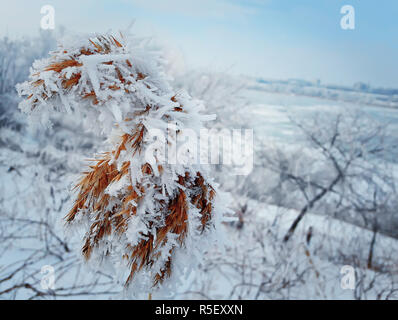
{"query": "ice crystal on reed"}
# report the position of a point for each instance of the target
(149, 220)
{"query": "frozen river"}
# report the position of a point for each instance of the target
(270, 117)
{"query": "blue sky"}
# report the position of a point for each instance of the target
(264, 38)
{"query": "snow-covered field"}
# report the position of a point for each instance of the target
(270, 113)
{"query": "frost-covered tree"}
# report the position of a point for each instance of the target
(142, 216)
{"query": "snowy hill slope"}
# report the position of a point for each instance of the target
(257, 266)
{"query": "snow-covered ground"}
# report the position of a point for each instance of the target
(256, 267)
(360, 93)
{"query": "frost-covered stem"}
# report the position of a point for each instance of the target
(371, 248)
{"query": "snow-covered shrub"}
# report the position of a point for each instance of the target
(16, 56)
(34, 170)
(258, 264)
(350, 175)
(144, 217)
